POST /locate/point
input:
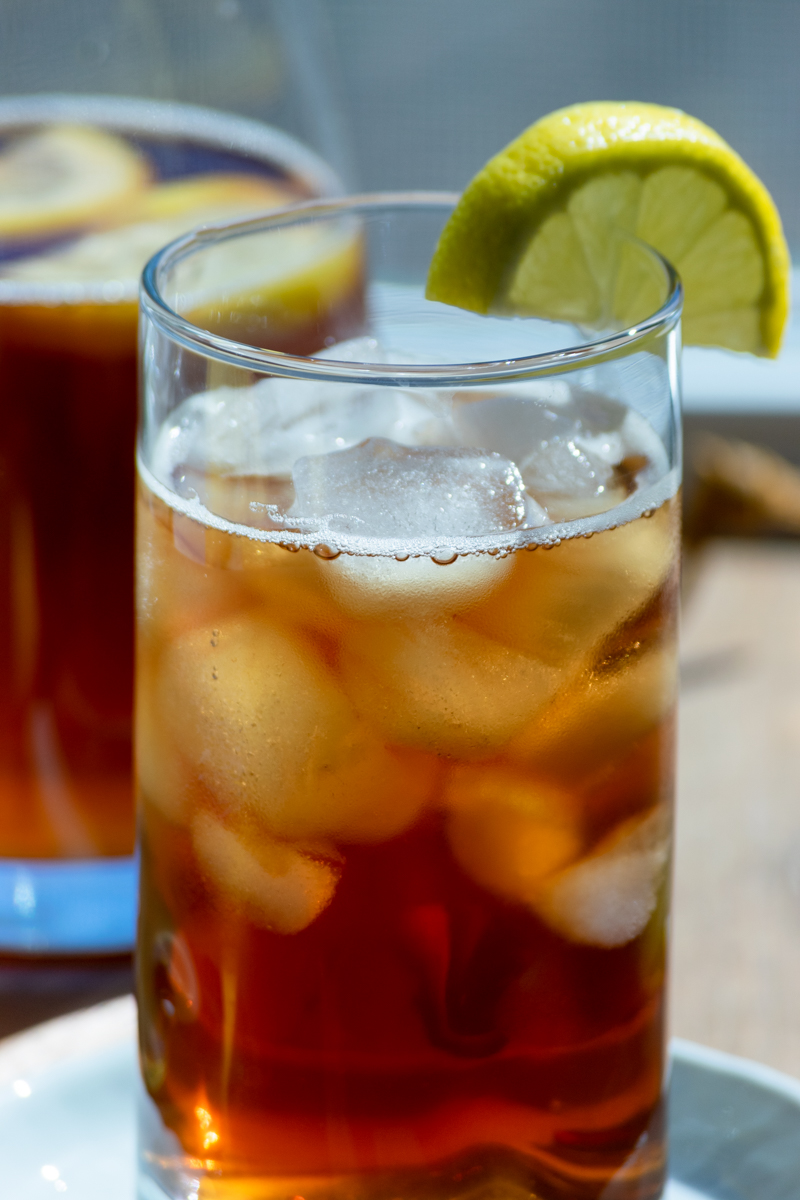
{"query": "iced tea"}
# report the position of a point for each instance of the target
(88, 190)
(405, 720)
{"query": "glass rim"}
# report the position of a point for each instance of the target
(274, 362)
(172, 119)
(159, 120)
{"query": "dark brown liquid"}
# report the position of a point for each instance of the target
(68, 389)
(424, 1035)
(66, 586)
(418, 1026)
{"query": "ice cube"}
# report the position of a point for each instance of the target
(276, 885)
(289, 587)
(558, 604)
(559, 458)
(266, 428)
(305, 417)
(608, 898)
(174, 587)
(381, 489)
(509, 423)
(599, 719)
(161, 774)
(508, 831)
(442, 687)
(415, 588)
(267, 731)
(564, 470)
(215, 431)
(641, 439)
(594, 411)
(553, 393)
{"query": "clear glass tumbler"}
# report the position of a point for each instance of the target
(90, 187)
(407, 584)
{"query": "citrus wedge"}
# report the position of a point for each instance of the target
(205, 198)
(538, 231)
(65, 176)
(156, 216)
(285, 289)
(91, 284)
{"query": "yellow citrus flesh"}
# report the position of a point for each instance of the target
(64, 176)
(273, 284)
(535, 232)
(118, 252)
(115, 254)
(212, 197)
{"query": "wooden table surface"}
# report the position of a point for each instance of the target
(736, 948)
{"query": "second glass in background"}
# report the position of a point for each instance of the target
(90, 188)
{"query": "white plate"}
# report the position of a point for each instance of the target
(67, 1116)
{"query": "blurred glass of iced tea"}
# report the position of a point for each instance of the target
(405, 692)
(89, 190)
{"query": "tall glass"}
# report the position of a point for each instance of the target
(89, 189)
(405, 692)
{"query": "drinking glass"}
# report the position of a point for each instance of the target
(90, 187)
(407, 584)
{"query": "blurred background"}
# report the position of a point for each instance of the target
(418, 94)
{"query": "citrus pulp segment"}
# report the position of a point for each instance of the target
(91, 283)
(545, 228)
(118, 251)
(267, 290)
(65, 176)
(216, 196)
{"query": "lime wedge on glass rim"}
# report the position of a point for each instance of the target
(542, 230)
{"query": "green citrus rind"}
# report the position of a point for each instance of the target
(535, 175)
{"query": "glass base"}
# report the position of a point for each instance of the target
(78, 906)
(148, 1189)
(167, 1172)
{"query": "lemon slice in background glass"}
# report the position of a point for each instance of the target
(83, 294)
(116, 253)
(64, 176)
(541, 230)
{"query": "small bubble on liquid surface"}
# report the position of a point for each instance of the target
(324, 551)
(444, 557)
